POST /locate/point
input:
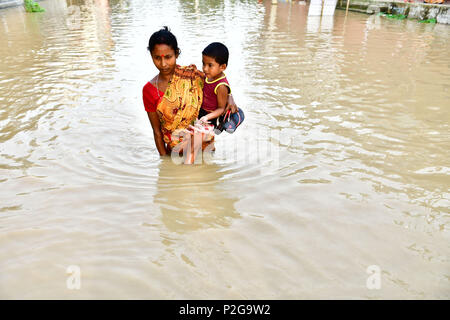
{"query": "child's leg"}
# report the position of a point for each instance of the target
(201, 113)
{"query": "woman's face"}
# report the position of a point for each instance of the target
(164, 58)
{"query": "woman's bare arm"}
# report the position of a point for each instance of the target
(231, 105)
(157, 134)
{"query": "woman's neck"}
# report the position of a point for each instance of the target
(165, 77)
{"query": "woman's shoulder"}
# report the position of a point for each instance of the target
(150, 89)
(149, 93)
(150, 84)
(147, 87)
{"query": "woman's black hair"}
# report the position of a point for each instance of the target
(163, 36)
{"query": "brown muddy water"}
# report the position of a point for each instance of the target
(336, 186)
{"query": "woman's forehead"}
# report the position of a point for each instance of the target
(162, 50)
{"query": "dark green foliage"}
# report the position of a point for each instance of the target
(393, 16)
(433, 20)
(402, 16)
(31, 6)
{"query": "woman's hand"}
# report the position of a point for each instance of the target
(231, 105)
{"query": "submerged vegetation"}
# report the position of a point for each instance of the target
(402, 17)
(433, 20)
(31, 6)
(393, 16)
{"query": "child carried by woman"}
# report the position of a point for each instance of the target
(216, 90)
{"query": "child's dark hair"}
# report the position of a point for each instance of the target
(163, 36)
(218, 51)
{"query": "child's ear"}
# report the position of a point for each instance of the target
(223, 67)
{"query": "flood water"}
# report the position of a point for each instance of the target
(341, 166)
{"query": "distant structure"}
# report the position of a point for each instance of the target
(322, 7)
(316, 7)
(10, 3)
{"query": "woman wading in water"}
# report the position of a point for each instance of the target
(173, 98)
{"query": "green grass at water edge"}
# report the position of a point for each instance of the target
(432, 20)
(31, 6)
(393, 16)
(402, 17)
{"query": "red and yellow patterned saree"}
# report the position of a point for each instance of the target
(180, 105)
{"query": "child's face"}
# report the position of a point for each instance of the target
(164, 58)
(211, 68)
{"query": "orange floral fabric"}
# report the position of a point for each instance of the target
(179, 106)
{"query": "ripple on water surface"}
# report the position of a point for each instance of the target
(341, 163)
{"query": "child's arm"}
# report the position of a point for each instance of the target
(222, 97)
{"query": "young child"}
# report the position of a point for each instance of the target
(217, 88)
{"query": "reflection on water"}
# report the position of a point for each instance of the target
(353, 110)
(191, 198)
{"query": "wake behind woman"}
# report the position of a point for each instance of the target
(173, 97)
